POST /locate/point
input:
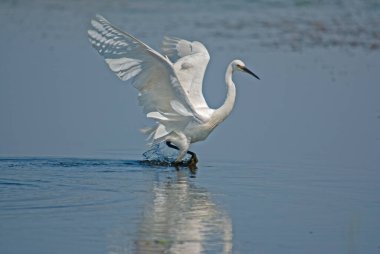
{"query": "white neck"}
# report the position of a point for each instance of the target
(225, 110)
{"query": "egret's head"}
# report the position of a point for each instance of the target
(238, 65)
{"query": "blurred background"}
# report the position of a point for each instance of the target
(294, 169)
(318, 98)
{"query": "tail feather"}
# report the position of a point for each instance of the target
(155, 134)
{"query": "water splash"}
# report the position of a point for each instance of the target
(162, 154)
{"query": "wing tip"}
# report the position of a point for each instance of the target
(99, 17)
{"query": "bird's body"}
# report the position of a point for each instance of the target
(169, 92)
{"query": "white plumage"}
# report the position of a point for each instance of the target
(169, 92)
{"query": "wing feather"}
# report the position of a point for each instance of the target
(176, 48)
(191, 60)
(151, 73)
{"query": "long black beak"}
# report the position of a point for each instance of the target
(250, 72)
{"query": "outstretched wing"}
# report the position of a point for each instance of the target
(190, 66)
(160, 93)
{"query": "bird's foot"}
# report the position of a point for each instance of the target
(191, 164)
(193, 160)
(192, 167)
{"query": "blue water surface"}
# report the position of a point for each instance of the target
(67, 205)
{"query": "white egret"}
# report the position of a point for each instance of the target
(170, 85)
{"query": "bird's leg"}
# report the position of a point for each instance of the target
(169, 144)
(193, 160)
(178, 161)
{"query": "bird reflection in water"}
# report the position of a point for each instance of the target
(182, 218)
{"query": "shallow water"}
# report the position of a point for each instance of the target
(117, 206)
(294, 169)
